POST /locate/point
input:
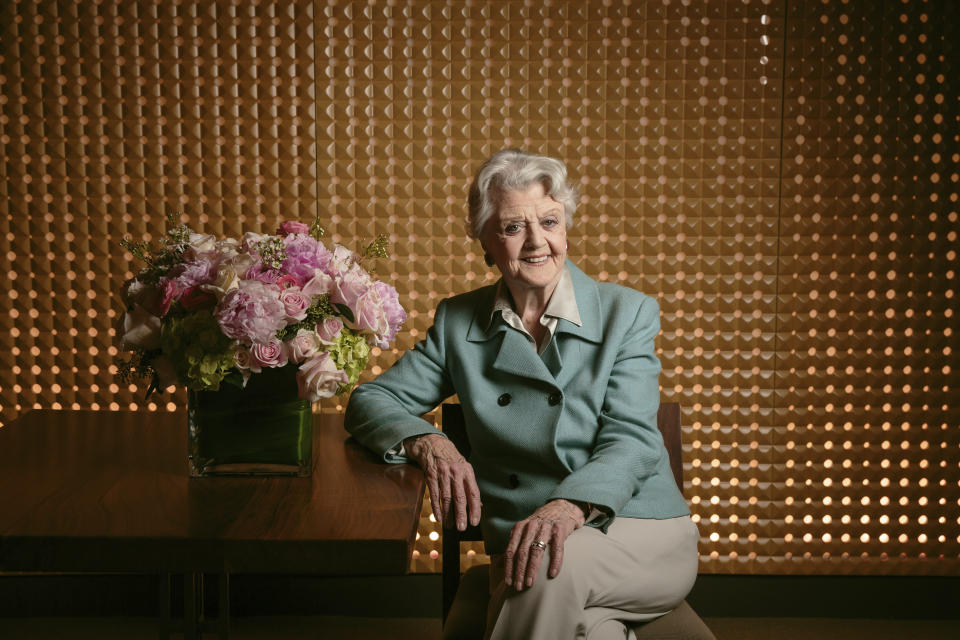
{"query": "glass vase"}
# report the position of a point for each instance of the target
(261, 429)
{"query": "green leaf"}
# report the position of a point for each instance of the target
(344, 311)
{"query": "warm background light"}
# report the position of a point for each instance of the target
(783, 176)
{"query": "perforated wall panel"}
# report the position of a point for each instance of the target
(781, 175)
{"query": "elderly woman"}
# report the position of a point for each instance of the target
(569, 478)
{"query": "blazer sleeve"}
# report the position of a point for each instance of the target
(383, 412)
(628, 445)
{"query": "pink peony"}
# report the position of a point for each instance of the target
(377, 312)
(292, 226)
(318, 377)
(318, 284)
(201, 270)
(304, 256)
(395, 314)
(368, 313)
(328, 330)
(252, 312)
(294, 303)
(303, 345)
(348, 288)
(263, 273)
(268, 354)
(343, 259)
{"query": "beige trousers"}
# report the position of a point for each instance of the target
(639, 570)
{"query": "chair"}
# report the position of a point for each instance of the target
(465, 599)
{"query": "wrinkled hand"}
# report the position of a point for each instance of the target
(552, 524)
(453, 489)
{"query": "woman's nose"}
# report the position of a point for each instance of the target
(534, 235)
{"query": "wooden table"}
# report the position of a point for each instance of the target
(110, 492)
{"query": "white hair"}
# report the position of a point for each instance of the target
(516, 170)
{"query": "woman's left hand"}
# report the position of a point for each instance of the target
(548, 527)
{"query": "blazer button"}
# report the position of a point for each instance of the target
(504, 400)
(514, 481)
(554, 399)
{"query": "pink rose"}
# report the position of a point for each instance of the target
(292, 226)
(244, 363)
(169, 291)
(303, 345)
(194, 298)
(328, 330)
(294, 303)
(269, 354)
(287, 281)
(318, 377)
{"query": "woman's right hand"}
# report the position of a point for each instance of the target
(453, 488)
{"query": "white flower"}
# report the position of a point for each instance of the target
(244, 362)
(140, 329)
(227, 280)
(228, 247)
(202, 242)
(251, 239)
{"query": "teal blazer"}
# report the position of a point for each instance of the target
(577, 422)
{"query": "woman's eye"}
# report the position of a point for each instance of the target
(512, 228)
(549, 223)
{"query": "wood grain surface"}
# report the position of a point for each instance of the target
(109, 491)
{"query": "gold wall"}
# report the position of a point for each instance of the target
(781, 174)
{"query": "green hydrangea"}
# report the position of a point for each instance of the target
(351, 353)
(200, 353)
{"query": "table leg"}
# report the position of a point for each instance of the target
(190, 630)
(224, 616)
(163, 606)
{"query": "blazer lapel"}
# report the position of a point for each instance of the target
(588, 304)
(515, 354)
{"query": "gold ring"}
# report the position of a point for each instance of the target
(539, 544)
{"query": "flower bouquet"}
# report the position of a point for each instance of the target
(257, 329)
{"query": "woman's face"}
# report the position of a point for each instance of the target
(527, 238)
